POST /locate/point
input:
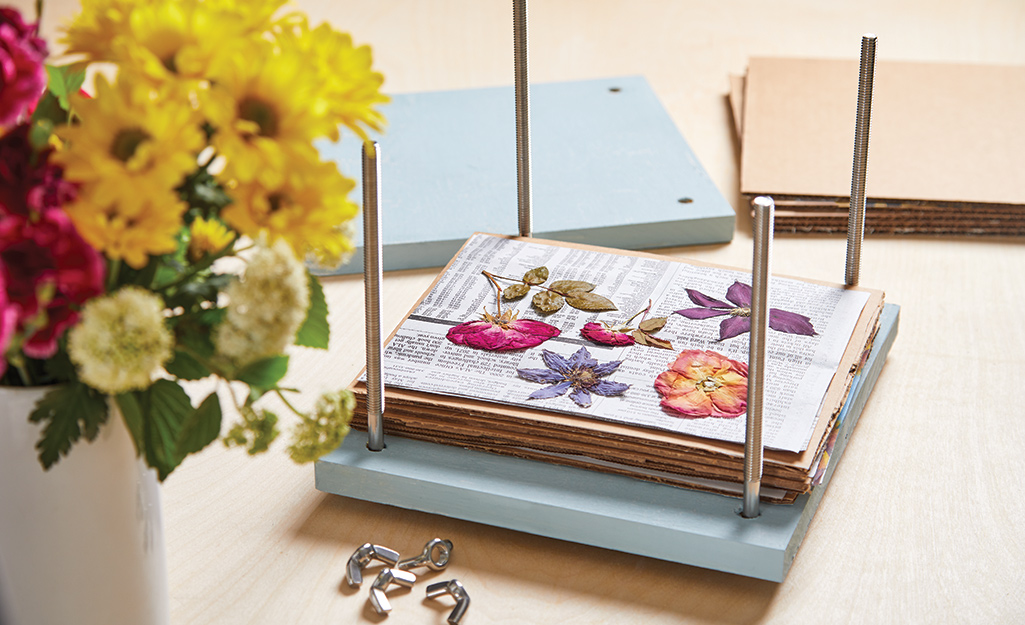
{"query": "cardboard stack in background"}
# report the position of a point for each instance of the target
(946, 149)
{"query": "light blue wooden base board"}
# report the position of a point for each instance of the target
(608, 168)
(610, 511)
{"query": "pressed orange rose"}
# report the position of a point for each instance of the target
(704, 384)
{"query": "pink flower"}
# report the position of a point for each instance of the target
(501, 333)
(605, 334)
(22, 73)
(8, 319)
(47, 269)
(704, 384)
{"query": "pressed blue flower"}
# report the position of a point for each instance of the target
(579, 372)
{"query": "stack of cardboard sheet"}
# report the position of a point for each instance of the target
(473, 409)
(945, 148)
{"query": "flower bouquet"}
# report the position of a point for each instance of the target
(158, 232)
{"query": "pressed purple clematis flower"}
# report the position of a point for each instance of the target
(502, 332)
(579, 372)
(738, 308)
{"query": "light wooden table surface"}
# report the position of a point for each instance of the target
(923, 522)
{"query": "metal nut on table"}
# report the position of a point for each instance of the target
(443, 549)
(454, 588)
(362, 557)
(387, 577)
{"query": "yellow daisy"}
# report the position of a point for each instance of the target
(150, 227)
(310, 210)
(165, 38)
(207, 237)
(131, 143)
(344, 73)
(266, 108)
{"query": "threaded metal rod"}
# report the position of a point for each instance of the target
(856, 214)
(372, 286)
(522, 88)
(764, 209)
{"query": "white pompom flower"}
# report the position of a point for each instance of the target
(266, 307)
(121, 341)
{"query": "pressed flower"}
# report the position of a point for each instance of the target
(620, 334)
(207, 236)
(738, 309)
(121, 341)
(501, 332)
(309, 208)
(607, 334)
(704, 384)
(131, 144)
(22, 73)
(579, 372)
(149, 227)
(266, 306)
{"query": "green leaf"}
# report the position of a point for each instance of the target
(653, 325)
(265, 373)
(64, 81)
(589, 301)
(39, 134)
(536, 275)
(68, 412)
(202, 427)
(516, 291)
(48, 113)
(315, 331)
(185, 367)
(131, 413)
(168, 406)
(565, 286)
(548, 302)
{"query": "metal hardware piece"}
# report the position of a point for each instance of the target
(387, 577)
(522, 94)
(362, 557)
(856, 213)
(454, 588)
(764, 208)
(372, 282)
(426, 558)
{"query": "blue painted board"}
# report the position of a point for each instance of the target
(609, 168)
(599, 509)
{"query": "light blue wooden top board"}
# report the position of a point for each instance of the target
(609, 167)
(600, 509)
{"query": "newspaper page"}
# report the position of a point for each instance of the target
(799, 367)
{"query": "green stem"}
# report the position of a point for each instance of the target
(645, 312)
(202, 265)
(287, 403)
(112, 272)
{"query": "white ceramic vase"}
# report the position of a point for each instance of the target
(83, 542)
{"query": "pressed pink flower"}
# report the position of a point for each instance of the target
(704, 384)
(502, 333)
(22, 73)
(606, 335)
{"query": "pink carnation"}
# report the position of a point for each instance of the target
(22, 73)
(46, 268)
(502, 333)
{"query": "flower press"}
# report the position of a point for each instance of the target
(587, 437)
